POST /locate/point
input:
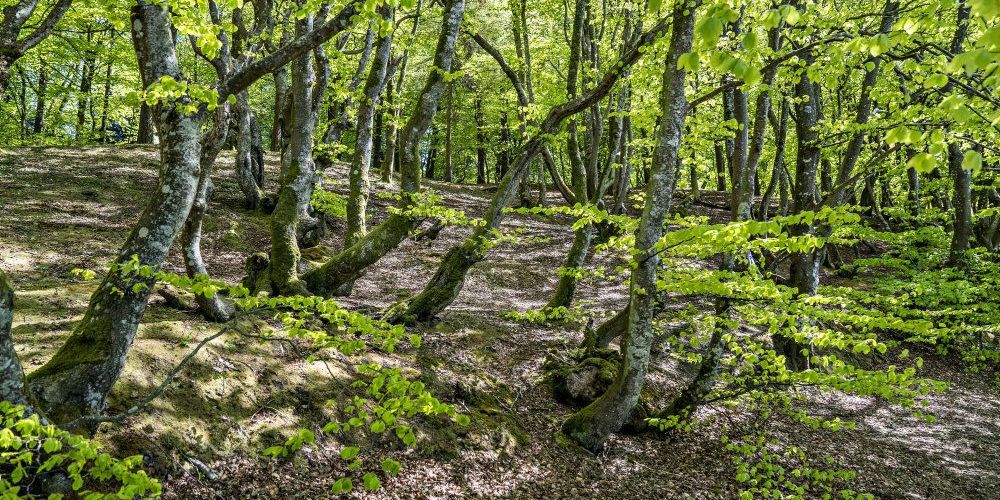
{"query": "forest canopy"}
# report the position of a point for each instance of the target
(439, 248)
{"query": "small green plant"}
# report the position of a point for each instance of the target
(30, 449)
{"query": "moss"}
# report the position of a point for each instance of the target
(583, 377)
(89, 344)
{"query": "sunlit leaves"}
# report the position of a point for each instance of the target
(923, 162)
(30, 448)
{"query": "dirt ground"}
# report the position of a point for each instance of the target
(64, 208)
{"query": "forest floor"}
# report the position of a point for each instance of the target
(66, 208)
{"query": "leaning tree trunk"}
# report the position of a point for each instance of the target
(78, 378)
(360, 184)
(349, 265)
(215, 308)
(566, 287)
(592, 425)
(777, 172)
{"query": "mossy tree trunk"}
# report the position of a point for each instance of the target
(591, 426)
(360, 184)
(78, 378)
(297, 177)
(344, 268)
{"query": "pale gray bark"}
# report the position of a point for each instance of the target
(79, 376)
(11, 374)
(591, 426)
(360, 184)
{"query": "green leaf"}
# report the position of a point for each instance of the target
(371, 482)
(52, 445)
(343, 485)
(973, 161)
(689, 61)
(710, 29)
(923, 163)
(390, 466)
(349, 452)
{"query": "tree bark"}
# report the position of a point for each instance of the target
(146, 126)
(805, 266)
(11, 374)
(78, 378)
(350, 264)
(591, 426)
(360, 184)
(249, 156)
(40, 93)
(297, 177)
(214, 308)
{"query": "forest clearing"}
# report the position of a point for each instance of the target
(485, 249)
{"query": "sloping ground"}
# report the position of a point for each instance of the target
(66, 208)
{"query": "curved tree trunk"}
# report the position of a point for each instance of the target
(349, 265)
(592, 425)
(215, 308)
(78, 378)
(360, 184)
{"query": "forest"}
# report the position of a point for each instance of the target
(499, 249)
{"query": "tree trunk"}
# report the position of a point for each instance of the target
(249, 168)
(77, 379)
(778, 171)
(720, 167)
(360, 184)
(107, 95)
(449, 153)
(480, 142)
(804, 270)
(146, 127)
(11, 374)
(962, 201)
(592, 425)
(350, 264)
(86, 83)
(43, 82)
(389, 159)
(215, 308)
(297, 177)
